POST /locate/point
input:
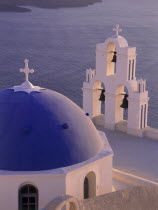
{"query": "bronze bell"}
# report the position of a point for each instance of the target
(102, 95)
(124, 104)
(114, 58)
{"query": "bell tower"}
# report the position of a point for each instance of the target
(116, 70)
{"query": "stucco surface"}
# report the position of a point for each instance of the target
(137, 198)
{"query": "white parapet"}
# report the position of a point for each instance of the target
(141, 85)
(90, 73)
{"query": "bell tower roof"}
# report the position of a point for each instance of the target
(118, 40)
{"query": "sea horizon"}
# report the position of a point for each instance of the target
(60, 44)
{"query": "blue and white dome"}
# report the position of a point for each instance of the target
(43, 130)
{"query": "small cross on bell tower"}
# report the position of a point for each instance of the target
(117, 29)
(26, 70)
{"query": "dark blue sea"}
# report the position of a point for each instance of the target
(60, 44)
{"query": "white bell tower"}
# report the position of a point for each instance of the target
(116, 75)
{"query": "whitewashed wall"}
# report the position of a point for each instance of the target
(103, 171)
(49, 186)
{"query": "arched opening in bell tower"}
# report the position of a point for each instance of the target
(131, 69)
(121, 109)
(111, 59)
(143, 116)
(99, 97)
(102, 98)
(125, 111)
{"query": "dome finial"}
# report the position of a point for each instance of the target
(26, 70)
(26, 86)
(117, 29)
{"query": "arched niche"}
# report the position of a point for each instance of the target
(111, 66)
(90, 185)
(131, 70)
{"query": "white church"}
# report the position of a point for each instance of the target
(51, 154)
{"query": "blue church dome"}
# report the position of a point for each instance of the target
(43, 130)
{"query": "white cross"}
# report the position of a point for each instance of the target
(26, 70)
(117, 29)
